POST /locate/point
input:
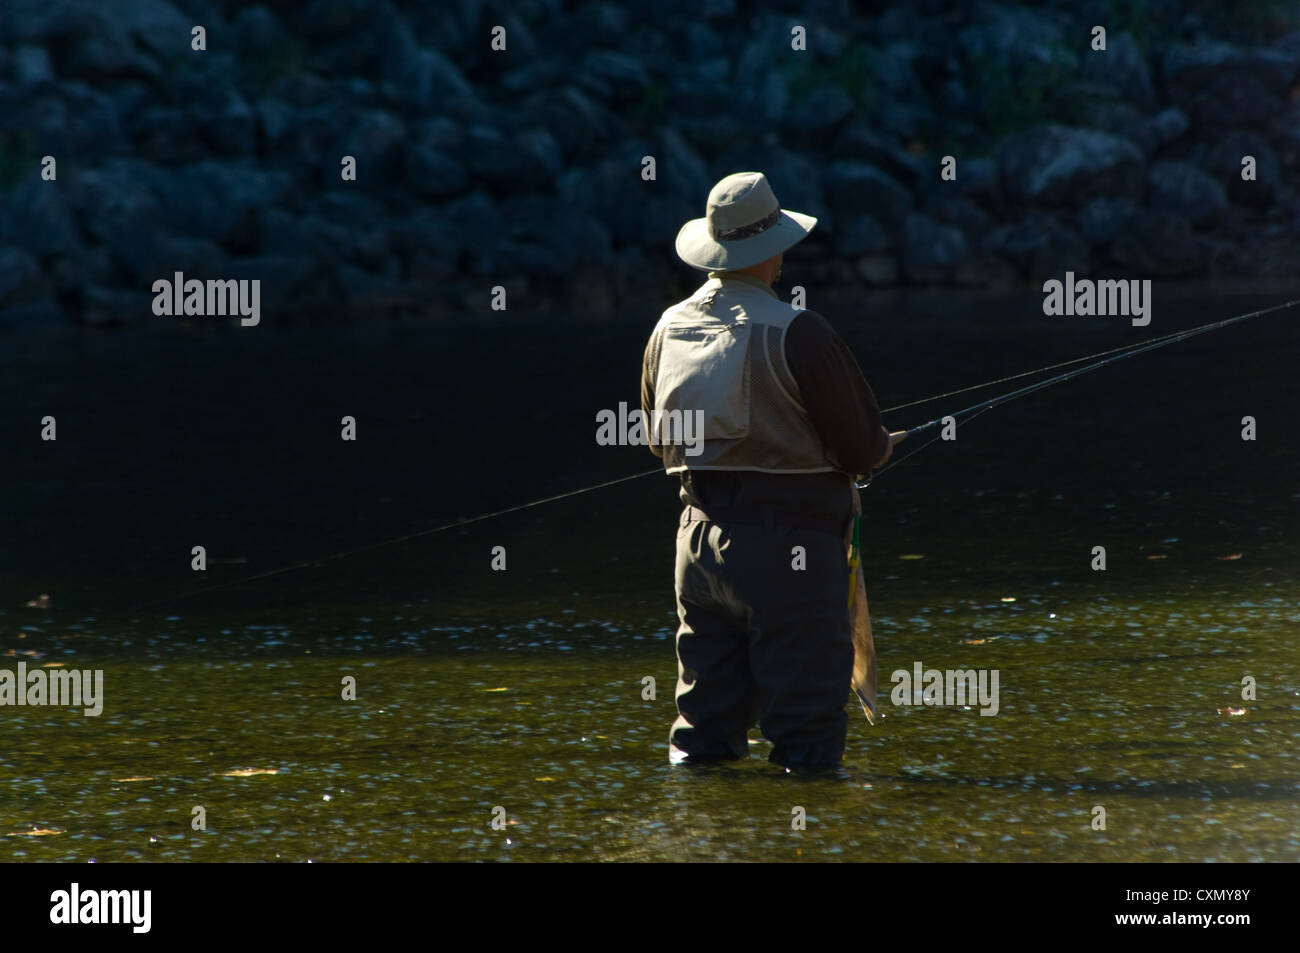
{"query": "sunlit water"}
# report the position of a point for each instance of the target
(524, 690)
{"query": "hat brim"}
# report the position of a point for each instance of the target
(700, 250)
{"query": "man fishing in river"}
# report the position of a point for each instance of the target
(766, 635)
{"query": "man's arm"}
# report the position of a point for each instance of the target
(837, 397)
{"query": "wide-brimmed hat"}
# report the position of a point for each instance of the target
(743, 224)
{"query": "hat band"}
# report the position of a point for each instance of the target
(749, 231)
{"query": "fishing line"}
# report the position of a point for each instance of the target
(1111, 356)
(1052, 367)
(1128, 352)
(1116, 355)
(416, 535)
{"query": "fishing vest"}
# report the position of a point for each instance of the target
(725, 398)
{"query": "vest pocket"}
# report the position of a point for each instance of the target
(703, 372)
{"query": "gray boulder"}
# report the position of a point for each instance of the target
(623, 75)
(819, 114)
(144, 258)
(862, 235)
(481, 226)
(1194, 67)
(861, 141)
(218, 200)
(496, 160)
(977, 180)
(1222, 84)
(879, 269)
(1039, 246)
(378, 141)
(37, 216)
(434, 78)
(577, 239)
(434, 174)
(1160, 244)
(1152, 133)
(428, 246)
(1063, 165)
(541, 150)
(859, 188)
(108, 306)
(21, 278)
(1019, 37)
(37, 313)
(1224, 162)
(115, 202)
(32, 66)
(1183, 189)
(98, 41)
(932, 251)
(293, 284)
(1122, 67)
(955, 209)
(229, 126)
(359, 286)
(169, 134)
(260, 34)
(680, 169)
(1102, 218)
(71, 274)
(635, 211)
(363, 243)
(1233, 101)
(580, 126)
(67, 119)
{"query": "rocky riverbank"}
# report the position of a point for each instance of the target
(523, 167)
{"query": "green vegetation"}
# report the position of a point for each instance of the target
(1130, 16)
(852, 72)
(653, 102)
(1012, 100)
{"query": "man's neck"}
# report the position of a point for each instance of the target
(744, 276)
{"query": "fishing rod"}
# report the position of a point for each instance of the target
(1110, 356)
(1115, 355)
(416, 535)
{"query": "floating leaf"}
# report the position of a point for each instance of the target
(496, 689)
(1008, 599)
(34, 832)
(544, 779)
(1224, 559)
(1232, 712)
(1158, 556)
(912, 556)
(249, 772)
(124, 780)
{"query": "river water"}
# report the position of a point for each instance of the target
(523, 690)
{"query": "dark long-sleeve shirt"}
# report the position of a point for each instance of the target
(842, 409)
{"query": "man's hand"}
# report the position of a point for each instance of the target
(896, 436)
